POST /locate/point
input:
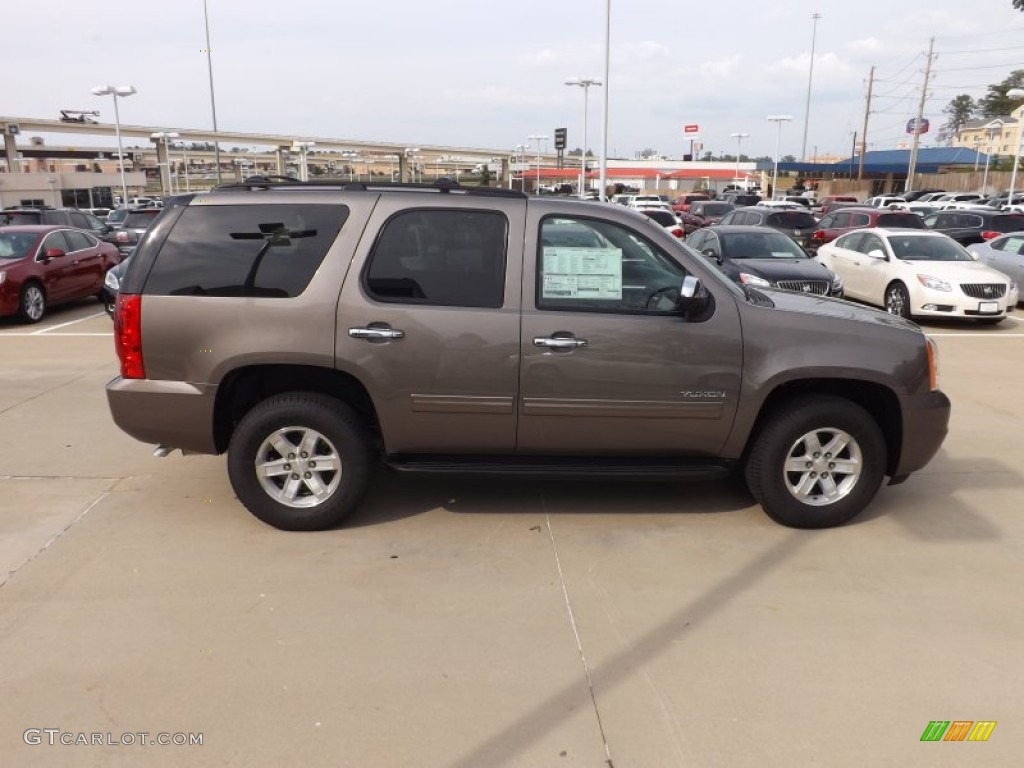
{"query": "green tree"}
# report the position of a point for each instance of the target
(485, 177)
(996, 103)
(957, 112)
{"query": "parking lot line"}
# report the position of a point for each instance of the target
(44, 331)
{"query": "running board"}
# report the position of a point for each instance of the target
(584, 466)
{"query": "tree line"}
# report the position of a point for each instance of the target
(993, 104)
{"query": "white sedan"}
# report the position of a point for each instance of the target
(918, 273)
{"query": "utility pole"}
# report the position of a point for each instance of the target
(810, 78)
(864, 134)
(920, 115)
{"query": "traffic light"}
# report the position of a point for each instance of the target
(560, 138)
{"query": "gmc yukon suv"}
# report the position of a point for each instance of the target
(310, 330)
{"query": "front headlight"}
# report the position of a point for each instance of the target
(934, 283)
(837, 282)
(760, 282)
(111, 281)
(3, 277)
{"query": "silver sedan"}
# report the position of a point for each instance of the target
(1004, 253)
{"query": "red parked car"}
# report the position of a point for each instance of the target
(843, 220)
(46, 264)
(682, 205)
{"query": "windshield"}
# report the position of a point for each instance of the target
(918, 248)
(792, 220)
(905, 220)
(13, 218)
(760, 245)
(17, 245)
(714, 209)
(142, 219)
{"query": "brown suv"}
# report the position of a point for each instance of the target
(312, 329)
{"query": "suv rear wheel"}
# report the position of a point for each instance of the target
(300, 461)
(817, 463)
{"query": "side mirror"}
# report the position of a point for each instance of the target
(709, 253)
(54, 253)
(693, 297)
(876, 254)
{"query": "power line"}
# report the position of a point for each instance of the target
(1011, 31)
(986, 66)
(980, 50)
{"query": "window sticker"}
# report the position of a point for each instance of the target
(582, 273)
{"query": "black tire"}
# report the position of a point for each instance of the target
(782, 439)
(32, 302)
(991, 320)
(297, 415)
(897, 300)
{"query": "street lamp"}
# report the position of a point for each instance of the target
(538, 139)
(988, 156)
(303, 147)
(739, 136)
(778, 119)
(810, 77)
(166, 136)
(115, 91)
(409, 155)
(584, 83)
(1015, 93)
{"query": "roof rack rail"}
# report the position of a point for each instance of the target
(443, 185)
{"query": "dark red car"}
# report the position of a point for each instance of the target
(682, 205)
(828, 204)
(843, 220)
(704, 213)
(46, 264)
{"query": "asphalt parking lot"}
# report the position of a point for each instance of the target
(465, 624)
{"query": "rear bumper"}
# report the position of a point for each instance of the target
(925, 426)
(171, 413)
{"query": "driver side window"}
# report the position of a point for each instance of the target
(597, 266)
(870, 243)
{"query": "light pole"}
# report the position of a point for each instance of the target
(409, 152)
(988, 157)
(779, 120)
(604, 105)
(538, 139)
(810, 77)
(584, 83)
(739, 136)
(1015, 93)
(303, 147)
(166, 137)
(213, 103)
(116, 91)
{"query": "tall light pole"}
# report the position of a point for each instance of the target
(739, 136)
(810, 77)
(1015, 93)
(988, 156)
(166, 136)
(604, 106)
(538, 139)
(778, 120)
(584, 83)
(116, 91)
(213, 103)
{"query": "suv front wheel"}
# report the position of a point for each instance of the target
(300, 461)
(817, 463)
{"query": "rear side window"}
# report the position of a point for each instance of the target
(792, 220)
(140, 219)
(79, 241)
(859, 219)
(245, 250)
(903, 220)
(447, 258)
(1009, 223)
(16, 218)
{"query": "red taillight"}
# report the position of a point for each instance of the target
(988, 234)
(128, 335)
(818, 235)
(677, 232)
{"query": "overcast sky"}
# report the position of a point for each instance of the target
(488, 73)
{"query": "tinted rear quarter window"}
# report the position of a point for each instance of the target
(15, 218)
(1009, 223)
(245, 250)
(792, 220)
(905, 221)
(140, 219)
(449, 258)
(664, 218)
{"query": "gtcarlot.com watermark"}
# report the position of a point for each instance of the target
(55, 736)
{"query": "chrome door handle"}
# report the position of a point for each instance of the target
(375, 333)
(558, 342)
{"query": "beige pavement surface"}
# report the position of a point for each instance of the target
(460, 624)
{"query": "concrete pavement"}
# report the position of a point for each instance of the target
(498, 623)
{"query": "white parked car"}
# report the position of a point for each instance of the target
(649, 201)
(915, 273)
(884, 201)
